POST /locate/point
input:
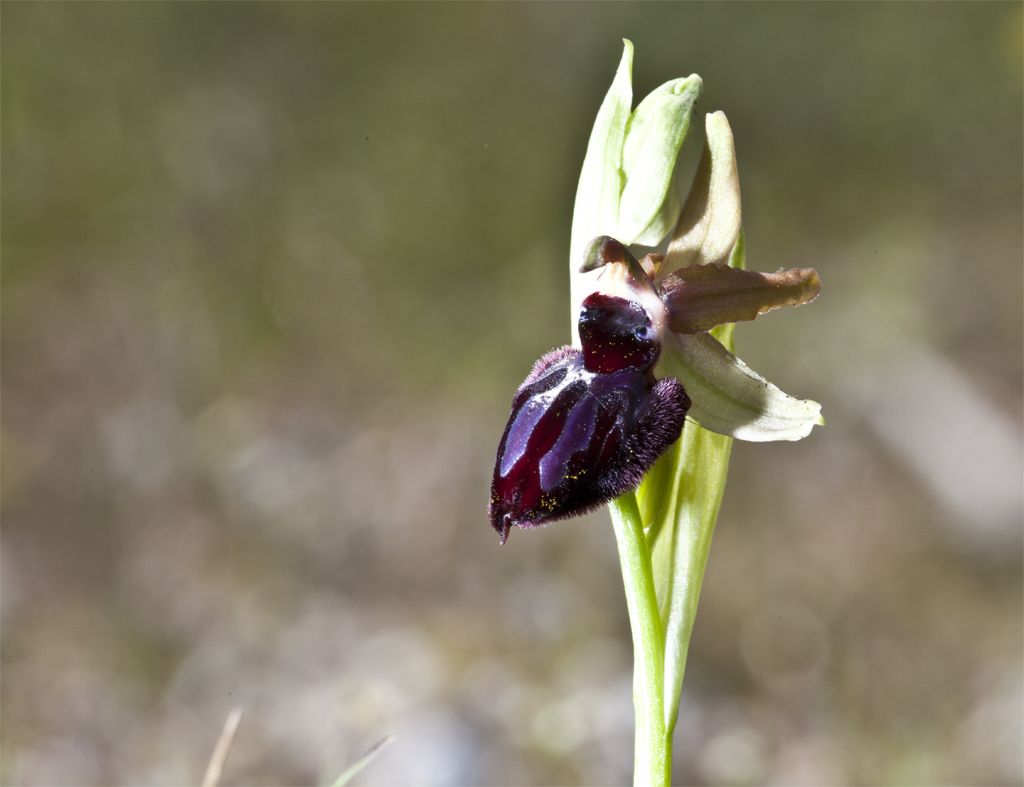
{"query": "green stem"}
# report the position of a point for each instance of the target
(652, 758)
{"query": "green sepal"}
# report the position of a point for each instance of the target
(709, 224)
(680, 497)
(649, 205)
(731, 398)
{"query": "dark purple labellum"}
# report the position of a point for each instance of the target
(586, 426)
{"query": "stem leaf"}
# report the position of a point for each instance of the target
(680, 497)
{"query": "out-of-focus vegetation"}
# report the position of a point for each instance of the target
(270, 275)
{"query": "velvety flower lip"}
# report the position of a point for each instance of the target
(586, 425)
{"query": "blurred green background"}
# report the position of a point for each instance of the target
(271, 273)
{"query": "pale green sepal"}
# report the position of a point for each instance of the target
(731, 398)
(649, 205)
(710, 222)
(596, 210)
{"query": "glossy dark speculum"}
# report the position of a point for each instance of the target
(586, 426)
(617, 334)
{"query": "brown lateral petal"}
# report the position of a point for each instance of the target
(699, 297)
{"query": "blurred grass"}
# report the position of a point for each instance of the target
(270, 273)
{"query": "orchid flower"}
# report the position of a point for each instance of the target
(641, 409)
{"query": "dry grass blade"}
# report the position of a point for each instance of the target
(220, 752)
(371, 754)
